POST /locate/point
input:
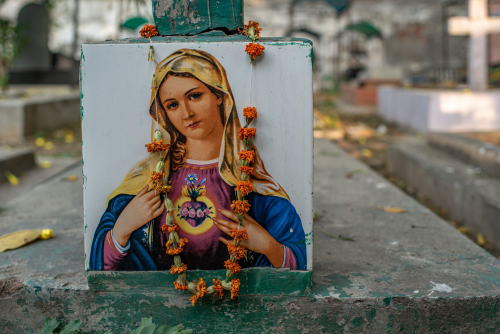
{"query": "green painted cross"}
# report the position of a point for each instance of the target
(191, 17)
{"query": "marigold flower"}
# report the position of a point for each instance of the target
(161, 188)
(201, 286)
(246, 133)
(169, 228)
(157, 177)
(251, 30)
(248, 155)
(233, 266)
(240, 207)
(157, 146)
(235, 287)
(250, 112)
(218, 287)
(239, 234)
(238, 252)
(255, 50)
(183, 242)
(180, 286)
(178, 250)
(246, 169)
(245, 187)
(178, 270)
(148, 31)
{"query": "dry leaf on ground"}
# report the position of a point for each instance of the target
(392, 209)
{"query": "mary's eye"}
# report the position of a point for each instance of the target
(195, 96)
(172, 105)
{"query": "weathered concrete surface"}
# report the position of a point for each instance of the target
(186, 17)
(408, 273)
(35, 177)
(478, 153)
(21, 117)
(471, 197)
(15, 161)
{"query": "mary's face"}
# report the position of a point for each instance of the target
(191, 107)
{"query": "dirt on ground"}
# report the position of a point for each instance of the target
(368, 137)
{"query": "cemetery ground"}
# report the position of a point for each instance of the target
(374, 269)
(368, 137)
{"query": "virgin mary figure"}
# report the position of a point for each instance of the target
(194, 109)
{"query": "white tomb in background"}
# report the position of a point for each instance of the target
(452, 110)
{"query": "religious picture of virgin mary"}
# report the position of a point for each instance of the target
(195, 111)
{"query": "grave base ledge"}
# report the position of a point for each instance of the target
(254, 281)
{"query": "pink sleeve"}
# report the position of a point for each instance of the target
(289, 261)
(112, 256)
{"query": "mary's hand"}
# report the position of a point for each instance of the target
(144, 207)
(259, 240)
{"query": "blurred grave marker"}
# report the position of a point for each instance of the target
(477, 26)
(34, 22)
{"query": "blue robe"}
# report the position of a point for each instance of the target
(275, 214)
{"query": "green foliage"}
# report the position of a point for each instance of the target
(49, 325)
(11, 43)
(146, 327)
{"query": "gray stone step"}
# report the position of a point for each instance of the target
(470, 197)
(469, 150)
(404, 273)
(15, 161)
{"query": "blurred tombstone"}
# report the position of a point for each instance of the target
(478, 25)
(33, 20)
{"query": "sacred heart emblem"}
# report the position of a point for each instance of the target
(196, 211)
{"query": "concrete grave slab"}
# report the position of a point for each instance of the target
(440, 110)
(404, 273)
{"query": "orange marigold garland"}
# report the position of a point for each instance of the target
(241, 206)
(148, 31)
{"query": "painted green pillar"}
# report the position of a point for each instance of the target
(191, 17)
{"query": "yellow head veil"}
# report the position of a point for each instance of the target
(209, 71)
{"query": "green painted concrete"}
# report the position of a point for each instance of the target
(255, 281)
(187, 17)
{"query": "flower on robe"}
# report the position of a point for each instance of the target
(148, 31)
(191, 178)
